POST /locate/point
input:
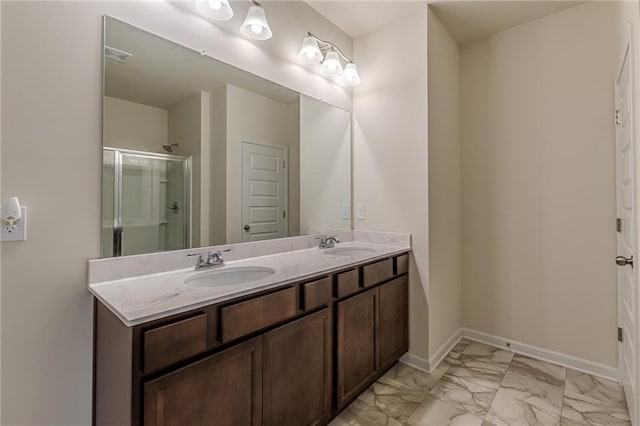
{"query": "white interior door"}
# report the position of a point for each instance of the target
(264, 192)
(627, 233)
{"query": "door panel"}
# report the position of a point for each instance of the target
(222, 390)
(392, 339)
(264, 192)
(356, 327)
(297, 372)
(626, 195)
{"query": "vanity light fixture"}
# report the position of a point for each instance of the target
(315, 51)
(255, 25)
(217, 9)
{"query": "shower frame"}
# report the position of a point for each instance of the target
(117, 192)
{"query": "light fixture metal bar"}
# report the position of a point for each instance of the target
(326, 46)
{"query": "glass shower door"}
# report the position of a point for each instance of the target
(151, 199)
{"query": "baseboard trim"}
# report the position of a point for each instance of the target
(415, 361)
(444, 350)
(542, 354)
(428, 365)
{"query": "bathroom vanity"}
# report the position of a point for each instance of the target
(284, 331)
(293, 350)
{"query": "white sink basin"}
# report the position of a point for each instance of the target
(229, 276)
(351, 251)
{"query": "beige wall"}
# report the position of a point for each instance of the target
(51, 75)
(390, 149)
(445, 185)
(538, 183)
(130, 125)
(325, 157)
(250, 118)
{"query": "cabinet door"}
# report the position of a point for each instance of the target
(356, 325)
(392, 339)
(297, 372)
(222, 390)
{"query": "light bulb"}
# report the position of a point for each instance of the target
(331, 66)
(350, 76)
(310, 52)
(216, 9)
(255, 25)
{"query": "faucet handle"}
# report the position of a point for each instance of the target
(200, 262)
(216, 258)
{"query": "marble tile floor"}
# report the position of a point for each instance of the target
(481, 385)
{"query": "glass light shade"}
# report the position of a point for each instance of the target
(350, 76)
(216, 9)
(331, 66)
(310, 52)
(255, 25)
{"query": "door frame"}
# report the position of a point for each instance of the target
(285, 194)
(630, 55)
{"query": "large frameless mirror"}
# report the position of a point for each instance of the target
(197, 152)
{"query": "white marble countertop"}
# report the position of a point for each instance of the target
(139, 299)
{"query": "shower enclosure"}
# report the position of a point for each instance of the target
(146, 199)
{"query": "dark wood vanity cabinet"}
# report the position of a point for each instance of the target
(297, 372)
(223, 390)
(290, 356)
(392, 331)
(355, 345)
(372, 334)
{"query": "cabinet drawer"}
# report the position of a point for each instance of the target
(174, 342)
(316, 293)
(254, 314)
(376, 273)
(348, 283)
(402, 264)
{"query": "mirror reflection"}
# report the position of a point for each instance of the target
(198, 153)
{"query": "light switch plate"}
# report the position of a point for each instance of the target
(360, 212)
(346, 211)
(18, 232)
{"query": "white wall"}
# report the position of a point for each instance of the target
(186, 128)
(293, 135)
(539, 183)
(390, 149)
(51, 75)
(250, 118)
(325, 157)
(445, 185)
(130, 125)
(218, 167)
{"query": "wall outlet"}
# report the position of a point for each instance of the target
(360, 212)
(17, 231)
(346, 211)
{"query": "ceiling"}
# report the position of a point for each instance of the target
(472, 20)
(161, 73)
(466, 20)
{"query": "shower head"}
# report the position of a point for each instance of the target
(170, 148)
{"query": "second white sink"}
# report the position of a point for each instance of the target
(351, 251)
(229, 276)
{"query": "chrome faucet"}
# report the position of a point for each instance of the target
(214, 259)
(328, 242)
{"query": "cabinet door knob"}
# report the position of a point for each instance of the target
(247, 227)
